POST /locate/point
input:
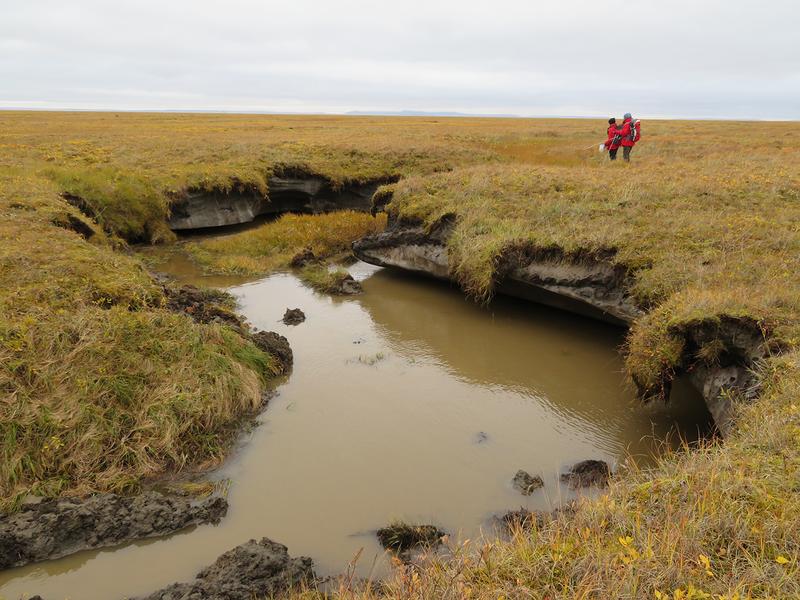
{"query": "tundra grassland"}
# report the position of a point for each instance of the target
(706, 220)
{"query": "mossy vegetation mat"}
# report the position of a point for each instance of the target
(102, 387)
(274, 245)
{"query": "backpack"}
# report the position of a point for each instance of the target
(636, 131)
(617, 138)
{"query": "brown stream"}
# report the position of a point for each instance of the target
(407, 402)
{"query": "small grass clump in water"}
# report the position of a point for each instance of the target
(401, 537)
(329, 281)
(273, 245)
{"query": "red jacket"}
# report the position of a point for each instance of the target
(627, 128)
(612, 133)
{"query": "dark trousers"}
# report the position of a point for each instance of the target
(626, 153)
(612, 153)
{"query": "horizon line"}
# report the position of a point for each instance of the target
(374, 113)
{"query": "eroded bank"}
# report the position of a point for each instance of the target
(594, 285)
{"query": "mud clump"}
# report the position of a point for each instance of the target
(401, 537)
(57, 528)
(293, 316)
(261, 569)
(523, 519)
(203, 305)
(526, 483)
(303, 258)
(587, 473)
(520, 520)
(345, 286)
(276, 345)
(322, 279)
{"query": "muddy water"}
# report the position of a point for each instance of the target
(408, 402)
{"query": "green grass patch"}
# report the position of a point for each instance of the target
(272, 245)
(325, 279)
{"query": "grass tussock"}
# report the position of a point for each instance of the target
(273, 245)
(400, 536)
(101, 387)
(328, 280)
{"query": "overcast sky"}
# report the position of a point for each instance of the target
(698, 58)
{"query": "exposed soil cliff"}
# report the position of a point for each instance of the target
(292, 192)
(589, 284)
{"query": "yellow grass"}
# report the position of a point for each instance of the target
(100, 387)
(705, 218)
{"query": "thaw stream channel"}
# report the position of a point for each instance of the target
(406, 402)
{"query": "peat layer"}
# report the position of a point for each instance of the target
(56, 528)
(294, 192)
(256, 569)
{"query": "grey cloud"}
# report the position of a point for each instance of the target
(692, 58)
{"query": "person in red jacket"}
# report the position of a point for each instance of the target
(613, 141)
(630, 132)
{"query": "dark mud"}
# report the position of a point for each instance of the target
(526, 483)
(261, 569)
(293, 316)
(587, 473)
(206, 305)
(402, 538)
(276, 345)
(57, 528)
